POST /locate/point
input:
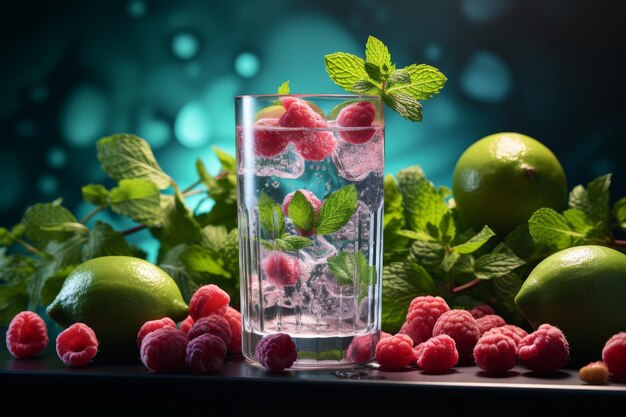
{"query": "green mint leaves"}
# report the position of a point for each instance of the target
(350, 267)
(335, 212)
(401, 89)
(195, 247)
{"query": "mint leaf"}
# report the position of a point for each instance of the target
(353, 269)
(345, 69)
(6, 237)
(493, 265)
(185, 279)
(178, 224)
(373, 71)
(430, 255)
(271, 217)
(283, 88)
(13, 299)
(126, 156)
(228, 162)
(292, 243)
(365, 87)
(416, 235)
(475, 242)
(593, 200)
(301, 212)
(549, 228)
(402, 282)
(96, 194)
(426, 81)
(578, 221)
(104, 241)
(404, 104)
(204, 260)
(44, 215)
(447, 228)
(16, 268)
(521, 242)
(506, 288)
(53, 285)
(377, 53)
(619, 213)
(393, 198)
(398, 77)
(422, 202)
(449, 260)
(138, 199)
(213, 236)
(336, 210)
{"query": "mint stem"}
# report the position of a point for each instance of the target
(192, 186)
(31, 248)
(91, 214)
(193, 192)
(465, 286)
(619, 242)
(135, 229)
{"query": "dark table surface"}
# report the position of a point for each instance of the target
(244, 389)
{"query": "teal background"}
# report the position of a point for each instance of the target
(74, 71)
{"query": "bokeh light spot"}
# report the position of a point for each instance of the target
(84, 116)
(485, 10)
(11, 176)
(486, 78)
(56, 157)
(48, 184)
(136, 8)
(216, 98)
(247, 64)
(156, 131)
(192, 126)
(433, 52)
(185, 45)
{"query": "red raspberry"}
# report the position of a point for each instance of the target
(299, 114)
(186, 324)
(422, 316)
(495, 353)
(205, 354)
(233, 317)
(288, 101)
(27, 335)
(544, 350)
(360, 114)
(268, 142)
(164, 350)
(395, 351)
(151, 326)
(281, 269)
(77, 345)
(614, 354)
(362, 348)
(317, 146)
(514, 332)
(437, 354)
(207, 300)
(488, 322)
(481, 310)
(213, 324)
(276, 351)
(461, 326)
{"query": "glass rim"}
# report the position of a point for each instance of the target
(323, 95)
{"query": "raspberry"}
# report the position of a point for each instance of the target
(495, 353)
(27, 335)
(288, 101)
(461, 326)
(544, 350)
(614, 354)
(205, 354)
(281, 269)
(164, 350)
(481, 310)
(395, 351)
(151, 326)
(276, 351)
(208, 299)
(489, 321)
(269, 142)
(186, 324)
(316, 146)
(299, 114)
(77, 345)
(361, 348)
(437, 354)
(233, 317)
(422, 316)
(215, 325)
(360, 114)
(514, 332)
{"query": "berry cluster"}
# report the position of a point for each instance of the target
(305, 129)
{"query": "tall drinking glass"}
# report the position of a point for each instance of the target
(310, 212)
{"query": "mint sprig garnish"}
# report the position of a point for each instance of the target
(401, 89)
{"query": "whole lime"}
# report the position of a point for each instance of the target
(115, 296)
(501, 179)
(581, 290)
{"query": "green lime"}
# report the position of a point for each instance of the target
(270, 112)
(502, 179)
(115, 296)
(581, 290)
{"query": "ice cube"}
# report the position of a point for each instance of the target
(319, 251)
(356, 231)
(355, 162)
(287, 164)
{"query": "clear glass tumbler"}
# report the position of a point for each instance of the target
(310, 212)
